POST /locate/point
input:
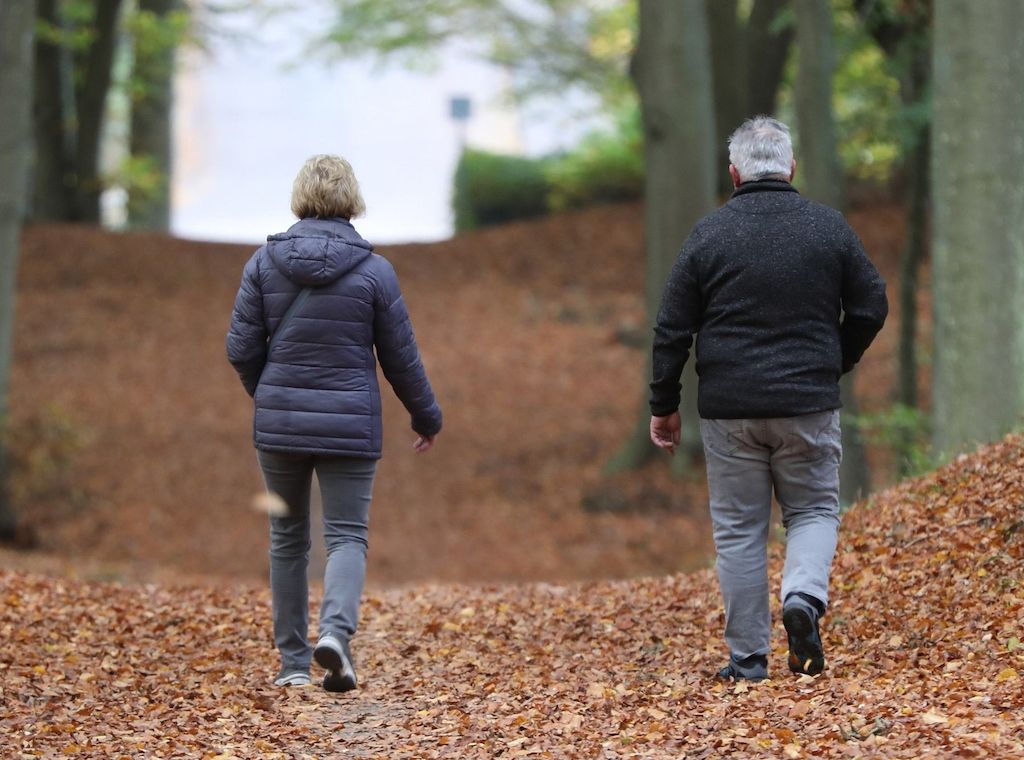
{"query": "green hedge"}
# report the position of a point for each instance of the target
(491, 188)
(607, 167)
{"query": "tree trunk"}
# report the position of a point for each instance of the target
(767, 50)
(906, 41)
(672, 74)
(747, 65)
(910, 267)
(91, 103)
(823, 181)
(54, 170)
(151, 138)
(729, 76)
(978, 228)
(17, 23)
(819, 157)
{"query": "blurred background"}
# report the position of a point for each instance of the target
(266, 92)
(531, 167)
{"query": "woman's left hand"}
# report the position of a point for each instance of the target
(423, 443)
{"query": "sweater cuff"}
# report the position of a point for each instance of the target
(663, 410)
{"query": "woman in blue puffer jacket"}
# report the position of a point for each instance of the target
(314, 304)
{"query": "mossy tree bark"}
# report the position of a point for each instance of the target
(978, 228)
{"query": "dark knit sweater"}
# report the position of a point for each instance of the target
(782, 299)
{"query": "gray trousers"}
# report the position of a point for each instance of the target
(346, 487)
(746, 458)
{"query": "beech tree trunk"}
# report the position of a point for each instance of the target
(672, 74)
(747, 65)
(906, 40)
(729, 77)
(91, 106)
(978, 240)
(151, 136)
(910, 267)
(54, 171)
(768, 46)
(911, 258)
(17, 23)
(819, 166)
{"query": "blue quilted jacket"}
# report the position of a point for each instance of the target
(318, 392)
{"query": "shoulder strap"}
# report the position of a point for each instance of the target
(294, 307)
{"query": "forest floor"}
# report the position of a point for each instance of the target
(503, 619)
(136, 460)
(923, 644)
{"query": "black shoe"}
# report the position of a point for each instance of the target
(752, 668)
(806, 654)
(332, 653)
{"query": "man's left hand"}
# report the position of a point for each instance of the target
(665, 432)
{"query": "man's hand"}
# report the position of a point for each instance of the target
(423, 443)
(665, 432)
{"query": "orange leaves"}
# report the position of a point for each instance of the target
(923, 657)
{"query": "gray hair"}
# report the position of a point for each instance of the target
(761, 148)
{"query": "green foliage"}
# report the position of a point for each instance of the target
(155, 38)
(491, 188)
(548, 44)
(75, 37)
(607, 167)
(865, 99)
(141, 177)
(903, 430)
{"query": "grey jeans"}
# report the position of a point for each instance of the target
(746, 458)
(346, 487)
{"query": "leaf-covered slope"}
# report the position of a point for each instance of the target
(923, 645)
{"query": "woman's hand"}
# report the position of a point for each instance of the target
(423, 443)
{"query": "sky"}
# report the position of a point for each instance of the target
(254, 106)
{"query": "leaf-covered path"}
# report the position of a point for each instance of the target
(923, 644)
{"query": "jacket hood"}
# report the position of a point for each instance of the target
(317, 251)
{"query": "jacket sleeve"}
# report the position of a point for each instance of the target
(865, 305)
(677, 323)
(247, 336)
(399, 356)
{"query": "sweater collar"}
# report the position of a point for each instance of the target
(763, 185)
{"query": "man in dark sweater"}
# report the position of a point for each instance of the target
(783, 301)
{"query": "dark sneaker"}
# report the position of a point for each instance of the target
(752, 668)
(332, 653)
(292, 678)
(806, 654)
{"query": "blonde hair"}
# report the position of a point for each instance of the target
(326, 186)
